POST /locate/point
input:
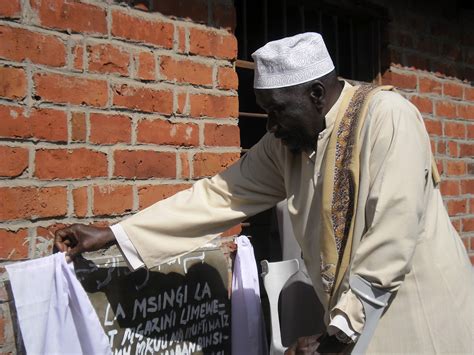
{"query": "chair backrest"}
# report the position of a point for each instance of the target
(275, 275)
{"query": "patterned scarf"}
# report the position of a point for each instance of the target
(341, 185)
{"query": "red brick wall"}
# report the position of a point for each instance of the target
(105, 109)
(430, 57)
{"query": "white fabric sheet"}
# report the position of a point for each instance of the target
(54, 312)
(248, 334)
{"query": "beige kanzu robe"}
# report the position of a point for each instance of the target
(403, 239)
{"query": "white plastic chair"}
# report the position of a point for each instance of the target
(275, 275)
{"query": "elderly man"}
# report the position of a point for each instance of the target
(355, 166)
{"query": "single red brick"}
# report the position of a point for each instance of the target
(70, 164)
(20, 44)
(456, 207)
(455, 167)
(143, 99)
(75, 90)
(424, 104)
(32, 202)
(80, 201)
(212, 44)
(227, 78)
(10, 9)
(78, 56)
(417, 61)
(138, 29)
(433, 146)
(467, 186)
(112, 199)
(450, 187)
(144, 164)
(181, 39)
(184, 166)
(209, 164)
(468, 93)
(221, 135)
(452, 89)
(403, 81)
(471, 205)
(446, 109)
(441, 147)
(71, 16)
(466, 111)
(146, 66)
(470, 131)
(467, 150)
(42, 124)
(453, 149)
(451, 52)
(110, 129)
(214, 106)
(78, 127)
(455, 129)
(12, 82)
(14, 161)
(428, 85)
(185, 71)
(434, 127)
(470, 168)
(14, 245)
(400, 38)
(181, 103)
(467, 226)
(107, 58)
(149, 194)
(167, 133)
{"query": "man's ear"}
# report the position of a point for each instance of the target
(318, 94)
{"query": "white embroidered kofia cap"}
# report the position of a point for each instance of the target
(291, 61)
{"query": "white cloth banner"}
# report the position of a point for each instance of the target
(54, 312)
(248, 332)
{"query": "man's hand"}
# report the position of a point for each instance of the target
(304, 346)
(79, 238)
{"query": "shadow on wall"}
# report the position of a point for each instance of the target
(213, 13)
(437, 39)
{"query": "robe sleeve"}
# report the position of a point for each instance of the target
(399, 166)
(193, 217)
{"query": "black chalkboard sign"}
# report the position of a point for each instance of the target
(181, 307)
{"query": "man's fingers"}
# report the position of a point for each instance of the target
(73, 252)
(65, 239)
(59, 239)
(291, 350)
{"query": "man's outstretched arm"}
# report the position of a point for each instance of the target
(191, 218)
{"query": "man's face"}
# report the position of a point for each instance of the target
(292, 116)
